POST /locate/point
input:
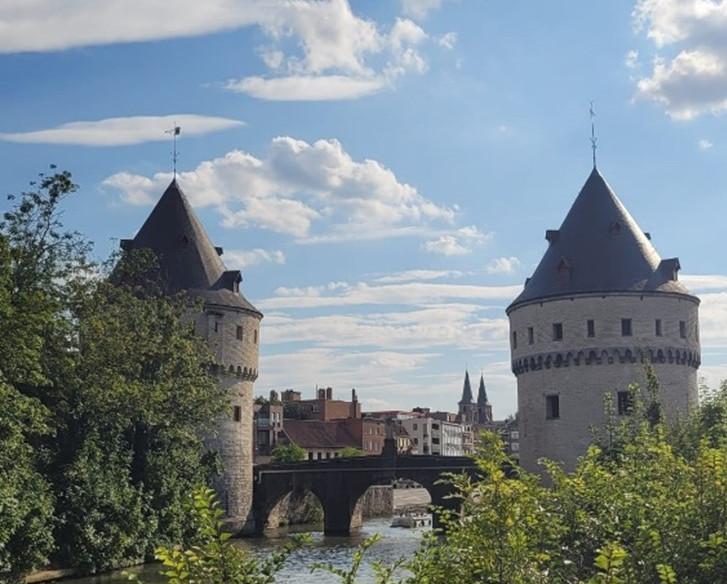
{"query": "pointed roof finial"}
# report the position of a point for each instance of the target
(466, 389)
(594, 140)
(174, 131)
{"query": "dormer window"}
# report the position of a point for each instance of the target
(614, 229)
(564, 266)
(184, 241)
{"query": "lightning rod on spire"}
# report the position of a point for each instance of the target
(174, 131)
(594, 140)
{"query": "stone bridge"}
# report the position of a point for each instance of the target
(339, 483)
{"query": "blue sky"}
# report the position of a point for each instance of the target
(382, 172)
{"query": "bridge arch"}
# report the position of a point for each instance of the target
(340, 483)
(306, 503)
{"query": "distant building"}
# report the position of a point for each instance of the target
(326, 438)
(600, 304)
(268, 423)
(322, 407)
(439, 436)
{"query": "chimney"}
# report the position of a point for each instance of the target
(321, 393)
(273, 396)
(354, 398)
(329, 393)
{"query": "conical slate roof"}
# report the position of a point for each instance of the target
(187, 259)
(482, 392)
(599, 248)
(466, 390)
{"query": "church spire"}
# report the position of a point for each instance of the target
(466, 390)
(482, 392)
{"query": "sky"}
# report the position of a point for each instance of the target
(383, 173)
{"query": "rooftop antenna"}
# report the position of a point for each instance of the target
(174, 131)
(594, 140)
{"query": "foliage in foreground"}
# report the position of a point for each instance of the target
(646, 506)
(213, 559)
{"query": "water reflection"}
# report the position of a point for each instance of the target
(395, 543)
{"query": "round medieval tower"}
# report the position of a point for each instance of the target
(231, 325)
(599, 305)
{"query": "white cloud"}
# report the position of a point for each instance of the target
(448, 40)
(419, 9)
(317, 50)
(406, 294)
(307, 87)
(244, 258)
(298, 187)
(123, 130)
(456, 243)
(705, 144)
(418, 276)
(632, 59)
(504, 265)
(699, 282)
(693, 81)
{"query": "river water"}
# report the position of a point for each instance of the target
(396, 542)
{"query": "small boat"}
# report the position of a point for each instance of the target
(412, 519)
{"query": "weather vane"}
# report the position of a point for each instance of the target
(594, 140)
(175, 131)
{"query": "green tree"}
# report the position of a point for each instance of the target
(288, 453)
(26, 502)
(350, 451)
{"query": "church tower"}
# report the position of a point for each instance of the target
(231, 325)
(467, 408)
(484, 408)
(599, 305)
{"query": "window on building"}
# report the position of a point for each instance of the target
(515, 435)
(557, 331)
(328, 455)
(310, 456)
(623, 399)
(320, 455)
(254, 336)
(237, 413)
(552, 407)
(657, 327)
(591, 328)
(514, 340)
(531, 335)
(435, 426)
(435, 440)
(239, 333)
(217, 326)
(682, 329)
(626, 327)
(415, 426)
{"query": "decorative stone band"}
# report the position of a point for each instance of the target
(607, 356)
(245, 373)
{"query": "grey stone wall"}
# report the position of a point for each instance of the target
(581, 370)
(237, 365)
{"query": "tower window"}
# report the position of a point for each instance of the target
(254, 335)
(657, 327)
(217, 326)
(514, 340)
(682, 329)
(591, 328)
(237, 413)
(623, 403)
(552, 407)
(557, 331)
(239, 333)
(531, 335)
(626, 327)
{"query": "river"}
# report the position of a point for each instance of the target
(395, 543)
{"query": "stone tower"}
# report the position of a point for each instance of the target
(600, 304)
(231, 325)
(467, 408)
(484, 408)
